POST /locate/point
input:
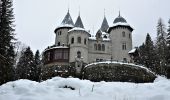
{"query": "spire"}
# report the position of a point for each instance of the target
(67, 20)
(79, 22)
(104, 25)
(119, 13)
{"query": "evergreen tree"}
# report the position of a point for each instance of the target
(25, 66)
(150, 54)
(161, 46)
(37, 68)
(6, 37)
(168, 43)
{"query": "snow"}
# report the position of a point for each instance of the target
(53, 89)
(120, 23)
(55, 47)
(94, 38)
(64, 25)
(132, 51)
(78, 29)
(115, 62)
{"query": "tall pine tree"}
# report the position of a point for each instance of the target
(25, 65)
(161, 47)
(37, 66)
(168, 43)
(147, 54)
(150, 54)
(6, 37)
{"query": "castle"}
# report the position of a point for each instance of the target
(74, 44)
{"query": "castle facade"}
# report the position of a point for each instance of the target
(74, 44)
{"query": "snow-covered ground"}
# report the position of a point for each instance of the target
(52, 89)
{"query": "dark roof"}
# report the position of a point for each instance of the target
(67, 20)
(120, 19)
(104, 25)
(79, 22)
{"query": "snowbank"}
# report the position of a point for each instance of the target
(53, 89)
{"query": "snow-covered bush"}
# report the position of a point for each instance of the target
(115, 71)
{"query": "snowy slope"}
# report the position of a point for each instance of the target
(53, 90)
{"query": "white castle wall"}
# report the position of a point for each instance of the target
(63, 39)
(117, 40)
(96, 54)
(75, 47)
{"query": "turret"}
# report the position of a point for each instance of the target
(121, 39)
(62, 30)
(78, 40)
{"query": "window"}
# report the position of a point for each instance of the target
(123, 34)
(79, 39)
(72, 40)
(99, 47)
(95, 46)
(78, 54)
(59, 43)
(124, 46)
(65, 54)
(58, 54)
(124, 60)
(59, 33)
(103, 47)
(129, 35)
(85, 41)
(48, 56)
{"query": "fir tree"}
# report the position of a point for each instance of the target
(37, 68)
(161, 46)
(168, 43)
(6, 37)
(150, 54)
(25, 65)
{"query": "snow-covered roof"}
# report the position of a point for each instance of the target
(79, 22)
(120, 23)
(67, 22)
(55, 47)
(132, 51)
(78, 29)
(104, 25)
(94, 38)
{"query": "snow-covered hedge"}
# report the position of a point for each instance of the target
(115, 71)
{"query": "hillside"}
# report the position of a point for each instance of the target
(74, 89)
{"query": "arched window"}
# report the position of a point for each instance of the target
(59, 43)
(99, 47)
(85, 41)
(72, 40)
(123, 34)
(79, 39)
(78, 54)
(95, 46)
(103, 47)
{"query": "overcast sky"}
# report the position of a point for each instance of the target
(36, 19)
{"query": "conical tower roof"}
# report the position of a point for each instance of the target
(104, 25)
(67, 20)
(79, 22)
